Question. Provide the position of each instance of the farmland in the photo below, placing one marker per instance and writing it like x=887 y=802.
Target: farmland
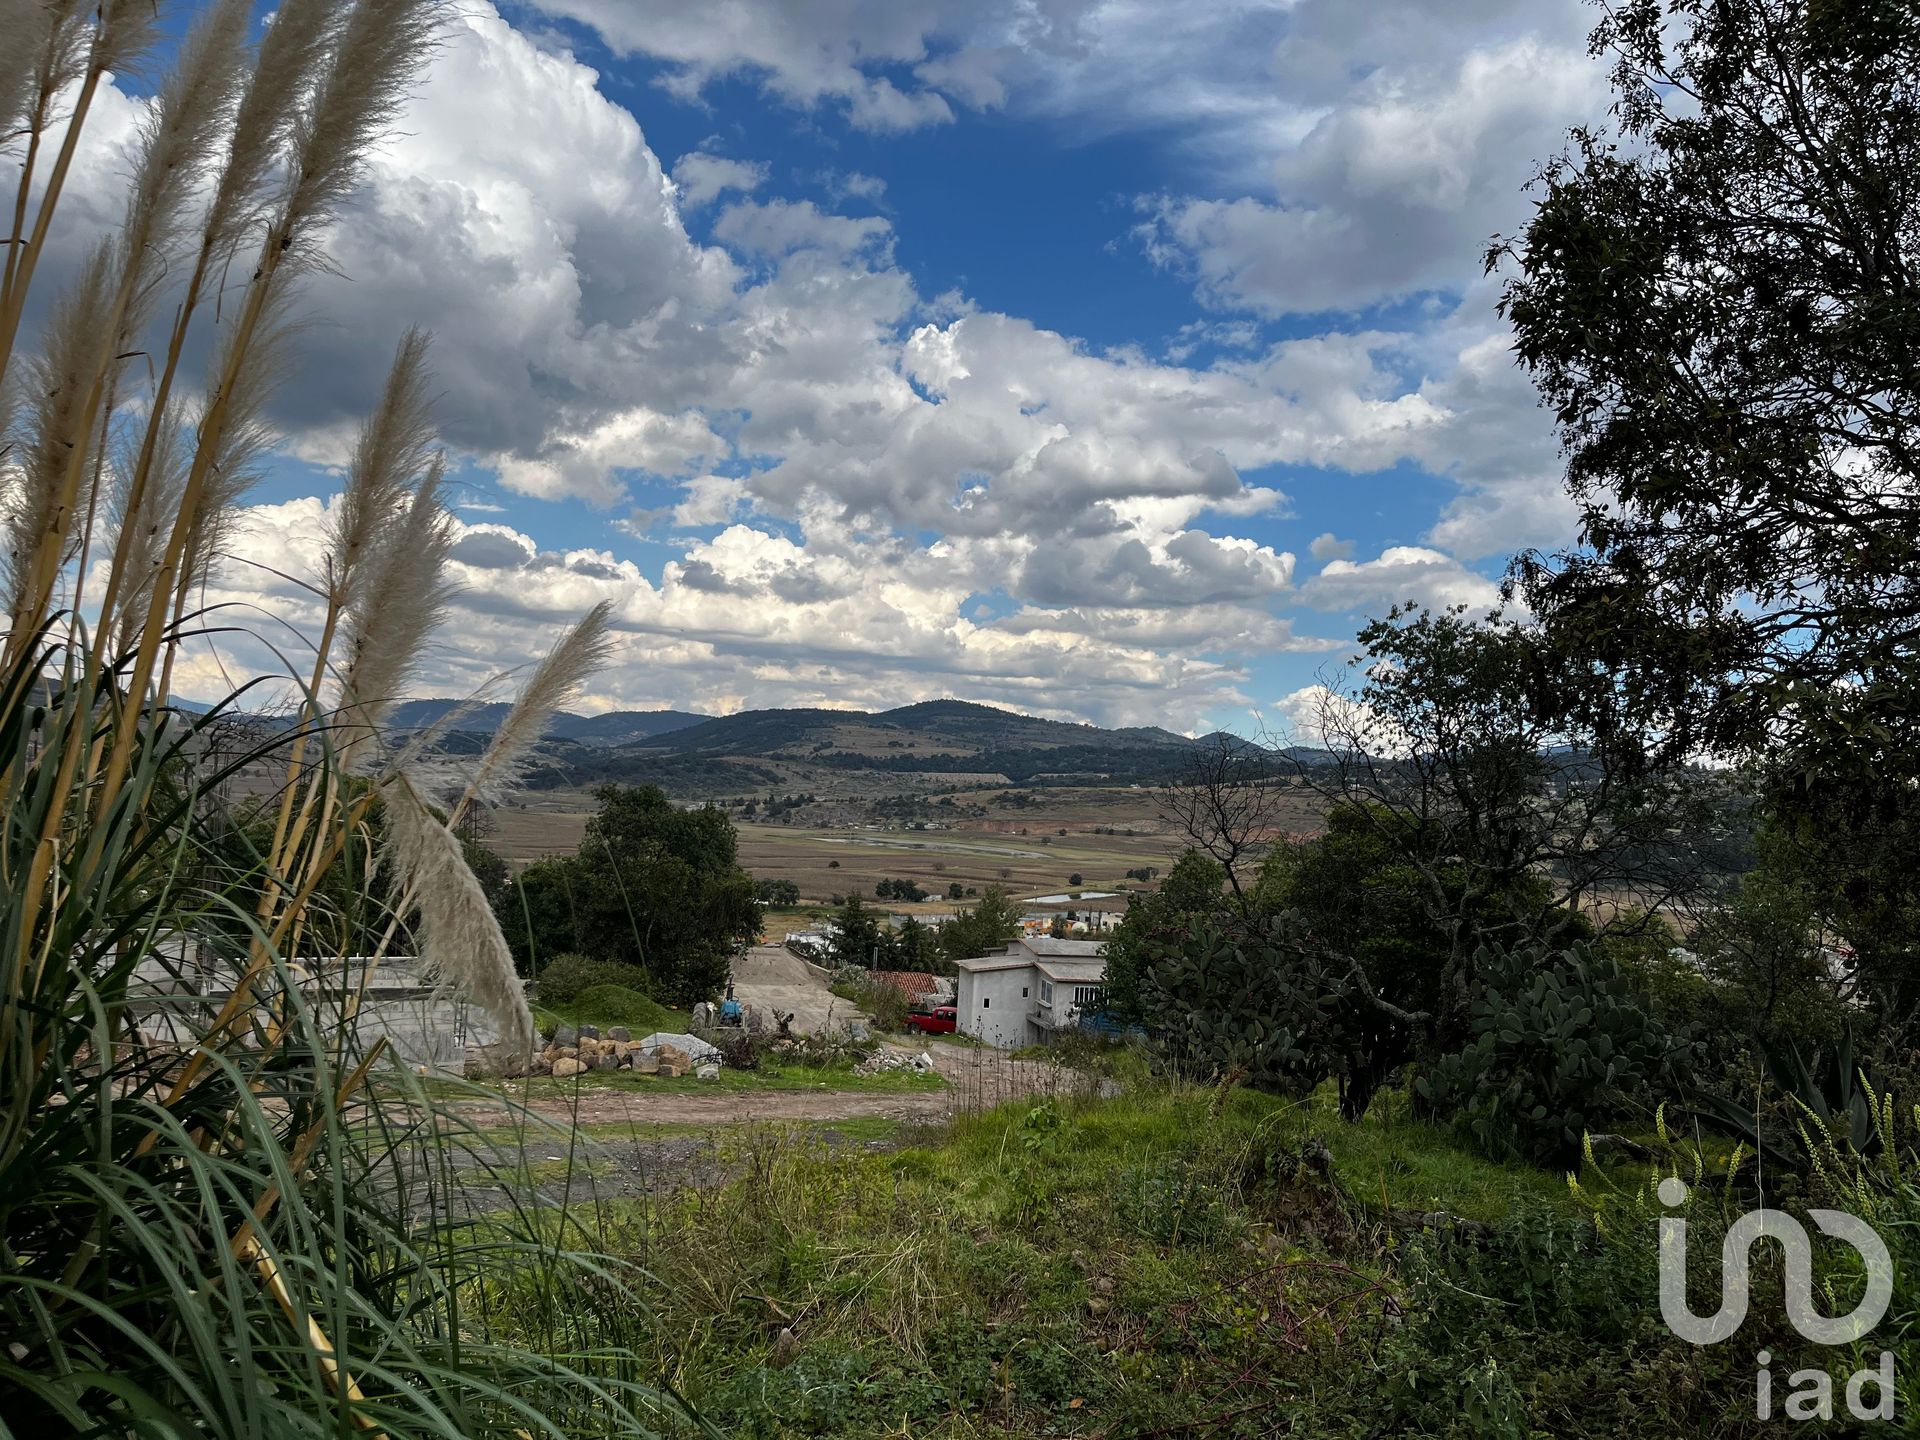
x=1031 y=841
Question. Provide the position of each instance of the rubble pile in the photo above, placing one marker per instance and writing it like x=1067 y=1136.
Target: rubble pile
x=882 y=1061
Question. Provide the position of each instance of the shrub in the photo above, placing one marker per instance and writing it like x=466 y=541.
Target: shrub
x=1563 y=1043
x=563 y=978
x=622 y=1005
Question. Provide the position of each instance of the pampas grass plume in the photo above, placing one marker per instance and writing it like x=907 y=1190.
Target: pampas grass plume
x=459 y=938
x=558 y=678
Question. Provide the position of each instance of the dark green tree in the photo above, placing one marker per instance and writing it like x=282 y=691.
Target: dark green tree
x=857 y=934
x=990 y=924
x=1192 y=888
x=1718 y=298
x=653 y=886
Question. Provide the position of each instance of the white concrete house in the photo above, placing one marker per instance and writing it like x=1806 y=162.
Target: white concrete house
x=1021 y=995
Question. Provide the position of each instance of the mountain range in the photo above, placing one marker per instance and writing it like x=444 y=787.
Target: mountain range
x=699 y=754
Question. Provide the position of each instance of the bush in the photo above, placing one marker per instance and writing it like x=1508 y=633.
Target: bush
x=622 y=1005
x=563 y=978
x=1563 y=1043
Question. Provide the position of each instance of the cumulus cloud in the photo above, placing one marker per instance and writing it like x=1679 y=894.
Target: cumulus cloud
x=872 y=458
x=1401 y=573
x=702 y=178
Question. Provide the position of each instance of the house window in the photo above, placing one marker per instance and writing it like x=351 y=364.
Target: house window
x=986 y=1001
x=1023 y=992
x=1046 y=992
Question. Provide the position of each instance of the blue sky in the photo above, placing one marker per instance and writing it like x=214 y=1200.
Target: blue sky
x=1098 y=358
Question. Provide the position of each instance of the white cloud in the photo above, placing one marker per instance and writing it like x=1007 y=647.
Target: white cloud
x=702 y=178
x=1401 y=573
x=1329 y=546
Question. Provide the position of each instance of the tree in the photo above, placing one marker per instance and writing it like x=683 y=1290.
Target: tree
x=985 y=928
x=653 y=886
x=856 y=935
x=955 y=891
x=1226 y=803
x=1718 y=301
x=1516 y=786
x=776 y=892
x=1151 y=923
x=1074 y=881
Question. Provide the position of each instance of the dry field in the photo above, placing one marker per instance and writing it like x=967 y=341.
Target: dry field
x=1020 y=846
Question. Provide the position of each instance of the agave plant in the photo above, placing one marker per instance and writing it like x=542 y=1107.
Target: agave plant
x=225 y=1213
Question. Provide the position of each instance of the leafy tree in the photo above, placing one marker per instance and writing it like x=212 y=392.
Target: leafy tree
x=1717 y=299
x=653 y=886
x=1074 y=881
x=990 y=924
x=955 y=891
x=776 y=892
x=1508 y=780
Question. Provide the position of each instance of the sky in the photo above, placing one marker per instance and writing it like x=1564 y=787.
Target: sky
x=1110 y=360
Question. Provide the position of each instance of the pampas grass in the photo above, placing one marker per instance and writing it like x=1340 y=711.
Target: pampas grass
x=458 y=937
x=556 y=680
x=200 y=1235
x=399 y=597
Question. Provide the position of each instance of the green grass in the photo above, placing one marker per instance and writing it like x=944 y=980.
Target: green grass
x=1057 y=1267
x=607 y=1004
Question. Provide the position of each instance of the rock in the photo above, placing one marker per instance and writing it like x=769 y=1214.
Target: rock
x=606 y=1060
x=857 y=1031
x=619 y=1033
x=923 y=1062
x=708 y=1071
x=644 y=1064
x=589 y=1032
x=674 y=1069
x=672 y=1054
x=567 y=1068
x=1097 y=1306
x=564 y=1052
x=541 y=1065
x=566 y=1035
x=786 y=1348
x=624 y=1060
x=691 y=1046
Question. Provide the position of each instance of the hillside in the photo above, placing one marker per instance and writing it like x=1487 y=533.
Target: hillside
x=851 y=751
x=616 y=727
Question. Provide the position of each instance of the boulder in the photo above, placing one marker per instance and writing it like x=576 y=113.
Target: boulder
x=541 y=1066
x=691 y=1046
x=567 y=1068
x=644 y=1064
x=708 y=1071
x=619 y=1032
x=589 y=1032
x=566 y=1035
x=857 y=1031
x=606 y=1060
x=564 y=1052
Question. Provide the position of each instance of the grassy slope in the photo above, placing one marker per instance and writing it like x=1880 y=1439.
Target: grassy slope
x=1162 y=1263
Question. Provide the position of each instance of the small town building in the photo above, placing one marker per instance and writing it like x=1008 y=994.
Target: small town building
x=1034 y=988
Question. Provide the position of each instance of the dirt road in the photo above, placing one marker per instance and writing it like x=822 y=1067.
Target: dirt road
x=977 y=1079
x=775 y=981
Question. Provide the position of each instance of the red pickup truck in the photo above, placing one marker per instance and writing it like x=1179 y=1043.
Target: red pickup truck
x=937 y=1020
